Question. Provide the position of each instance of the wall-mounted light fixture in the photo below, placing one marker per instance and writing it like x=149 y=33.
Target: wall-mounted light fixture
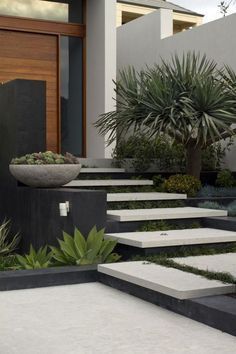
x=64 y=208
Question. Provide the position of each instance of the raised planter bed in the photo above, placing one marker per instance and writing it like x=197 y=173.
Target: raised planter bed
x=28 y=279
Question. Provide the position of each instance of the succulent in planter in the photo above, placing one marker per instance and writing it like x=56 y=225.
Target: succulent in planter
x=45 y=169
x=45 y=158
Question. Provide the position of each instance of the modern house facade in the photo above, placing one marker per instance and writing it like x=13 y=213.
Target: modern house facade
x=70 y=44
x=76 y=47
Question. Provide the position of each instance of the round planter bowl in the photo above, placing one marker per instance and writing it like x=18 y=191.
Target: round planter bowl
x=45 y=176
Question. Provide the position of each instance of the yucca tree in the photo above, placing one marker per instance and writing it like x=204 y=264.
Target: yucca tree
x=188 y=99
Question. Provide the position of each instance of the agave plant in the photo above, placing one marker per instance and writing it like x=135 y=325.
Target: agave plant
x=186 y=99
x=8 y=243
x=77 y=250
x=35 y=259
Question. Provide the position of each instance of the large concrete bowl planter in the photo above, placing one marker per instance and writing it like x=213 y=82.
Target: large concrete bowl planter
x=45 y=176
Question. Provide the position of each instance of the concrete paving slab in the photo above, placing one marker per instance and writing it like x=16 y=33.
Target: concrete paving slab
x=168 y=281
x=108 y=183
x=102 y=170
x=173 y=238
x=162 y=214
x=225 y=263
x=96 y=319
x=128 y=197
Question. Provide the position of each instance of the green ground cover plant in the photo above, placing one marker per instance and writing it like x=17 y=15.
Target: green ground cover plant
x=145 y=204
x=163 y=225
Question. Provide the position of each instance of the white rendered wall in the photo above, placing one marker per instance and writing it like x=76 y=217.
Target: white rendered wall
x=138 y=40
x=101 y=70
x=216 y=39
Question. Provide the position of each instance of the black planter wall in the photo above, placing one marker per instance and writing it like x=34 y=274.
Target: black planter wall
x=35 y=212
x=22 y=122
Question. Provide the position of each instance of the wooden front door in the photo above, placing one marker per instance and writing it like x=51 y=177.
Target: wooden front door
x=34 y=56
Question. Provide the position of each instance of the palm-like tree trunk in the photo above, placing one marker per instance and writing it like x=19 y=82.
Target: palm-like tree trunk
x=194 y=159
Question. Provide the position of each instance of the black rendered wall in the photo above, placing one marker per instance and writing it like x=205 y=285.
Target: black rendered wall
x=22 y=122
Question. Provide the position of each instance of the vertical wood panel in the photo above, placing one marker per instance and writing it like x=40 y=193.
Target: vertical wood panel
x=35 y=57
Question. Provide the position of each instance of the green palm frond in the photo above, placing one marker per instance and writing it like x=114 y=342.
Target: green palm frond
x=187 y=98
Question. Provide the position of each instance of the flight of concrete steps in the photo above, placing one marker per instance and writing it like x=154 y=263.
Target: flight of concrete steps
x=153 y=239
x=168 y=281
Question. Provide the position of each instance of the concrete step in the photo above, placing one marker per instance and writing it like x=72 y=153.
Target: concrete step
x=128 y=197
x=168 y=281
x=162 y=214
x=225 y=263
x=174 y=238
x=102 y=170
x=109 y=183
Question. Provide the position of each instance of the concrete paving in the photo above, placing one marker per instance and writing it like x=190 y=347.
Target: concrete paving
x=218 y=263
x=95 y=319
x=162 y=214
x=109 y=182
x=102 y=170
x=173 y=237
x=128 y=197
x=168 y=281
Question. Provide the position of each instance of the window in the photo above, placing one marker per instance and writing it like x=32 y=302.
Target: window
x=59 y=10
x=71 y=61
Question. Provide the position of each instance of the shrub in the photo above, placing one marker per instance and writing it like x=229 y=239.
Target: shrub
x=232 y=209
x=183 y=184
x=210 y=191
x=35 y=259
x=8 y=243
x=213 y=155
x=211 y=205
x=169 y=156
x=8 y=263
x=79 y=251
x=45 y=158
x=158 y=181
x=225 y=178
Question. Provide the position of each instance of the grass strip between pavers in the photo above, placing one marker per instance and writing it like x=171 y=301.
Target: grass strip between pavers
x=166 y=261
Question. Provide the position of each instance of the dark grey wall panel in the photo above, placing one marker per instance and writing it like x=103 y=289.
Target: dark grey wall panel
x=22 y=122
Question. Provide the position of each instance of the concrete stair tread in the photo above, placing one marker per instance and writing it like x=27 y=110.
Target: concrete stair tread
x=123 y=197
x=162 y=214
x=225 y=263
x=102 y=170
x=168 y=281
x=174 y=238
x=108 y=183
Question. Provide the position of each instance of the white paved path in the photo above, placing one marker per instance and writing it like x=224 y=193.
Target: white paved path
x=95 y=319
